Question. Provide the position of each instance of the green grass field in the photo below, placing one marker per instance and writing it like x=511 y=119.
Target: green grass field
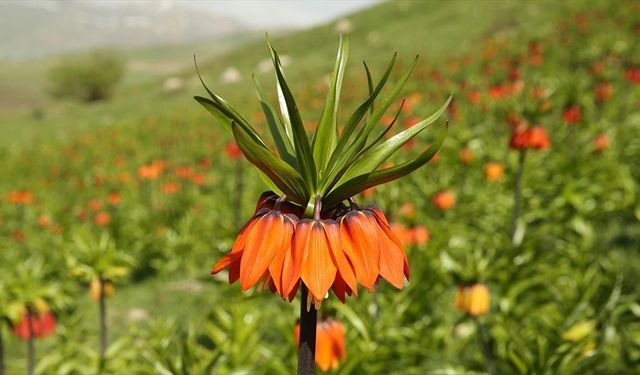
x=576 y=265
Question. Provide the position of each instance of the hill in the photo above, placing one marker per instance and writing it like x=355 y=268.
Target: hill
x=41 y=28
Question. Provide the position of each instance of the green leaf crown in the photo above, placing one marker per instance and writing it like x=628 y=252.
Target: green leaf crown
x=335 y=165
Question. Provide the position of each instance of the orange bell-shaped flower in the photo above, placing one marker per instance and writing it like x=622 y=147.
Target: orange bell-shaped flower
x=473 y=299
x=41 y=325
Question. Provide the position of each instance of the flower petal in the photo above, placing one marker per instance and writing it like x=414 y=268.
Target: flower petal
x=339 y=258
x=276 y=265
x=263 y=242
x=384 y=225
x=318 y=270
x=359 y=240
x=225 y=261
x=295 y=256
x=391 y=260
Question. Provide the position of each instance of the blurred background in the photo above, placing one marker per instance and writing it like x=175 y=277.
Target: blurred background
x=119 y=191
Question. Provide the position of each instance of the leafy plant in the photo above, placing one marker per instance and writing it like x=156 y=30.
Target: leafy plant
x=90 y=77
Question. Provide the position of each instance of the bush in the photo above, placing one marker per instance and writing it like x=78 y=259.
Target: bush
x=90 y=77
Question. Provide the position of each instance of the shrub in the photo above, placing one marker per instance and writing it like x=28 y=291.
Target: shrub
x=89 y=77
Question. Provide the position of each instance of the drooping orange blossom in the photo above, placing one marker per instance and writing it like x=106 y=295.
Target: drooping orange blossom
x=348 y=247
x=310 y=233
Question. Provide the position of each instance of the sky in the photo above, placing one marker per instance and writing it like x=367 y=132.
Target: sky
x=262 y=13
x=284 y=13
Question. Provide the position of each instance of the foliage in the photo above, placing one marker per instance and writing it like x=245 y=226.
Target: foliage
x=564 y=300
x=90 y=77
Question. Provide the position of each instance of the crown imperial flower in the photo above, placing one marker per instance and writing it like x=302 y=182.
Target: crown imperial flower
x=303 y=232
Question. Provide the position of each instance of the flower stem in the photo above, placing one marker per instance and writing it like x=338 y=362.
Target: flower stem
x=1 y=350
x=317 y=207
x=517 y=192
x=103 y=324
x=308 y=321
x=484 y=347
x=31 y=350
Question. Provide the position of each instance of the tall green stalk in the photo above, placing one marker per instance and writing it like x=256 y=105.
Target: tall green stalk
x=31 y=349
x=1 y=349
x=308 y=322
x=103 y=323
x=485 y=347
x=517 y=197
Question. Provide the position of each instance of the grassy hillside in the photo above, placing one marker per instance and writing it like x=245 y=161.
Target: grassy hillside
x=430 y=29
x=576 y=264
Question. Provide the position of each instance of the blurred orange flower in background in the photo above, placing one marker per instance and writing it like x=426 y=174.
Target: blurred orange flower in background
x=600 y=142
x=114 y=198
x=633 y=75
x=19 y=197
x=152 y=171
x=170 y=187
x=474 y=97
x=43 y=221
x=107 y=289
x=603 y=91
x=198 y=179
x=18 y=235
x=444 y=200
x=95 y=204
x=473 y=299
x=466 y=156
x=44 y=324
x=572 y=114
x=535 y=138
x=330 y=344
x=493 y=171
x=419 y=235
x=205 y=163
x=370 y=192
x=184 y=172
x=408 y=210
x=102 y=218
x=232 y=150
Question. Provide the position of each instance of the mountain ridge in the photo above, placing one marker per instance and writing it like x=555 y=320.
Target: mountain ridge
x=33 y=29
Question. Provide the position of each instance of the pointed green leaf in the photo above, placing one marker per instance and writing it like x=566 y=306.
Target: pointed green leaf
x=326 y=135
x=355 y=153
x=369 y=180
x=345 y=157
x=382 y=133
x=377 y=155
x=355 y=118
x=361 y=137
x=225 y=108
x=277 y=129
x=369 y=86
x=287 y=179
x=304 y=156
x=221 y=115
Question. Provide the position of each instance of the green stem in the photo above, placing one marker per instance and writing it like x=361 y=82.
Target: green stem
x=317 y=208
x=517 y=193
x=31 y=350
x=1 y=349
x=103 y=323
x=463 y=180
x=308 y=322
x=485 y=348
